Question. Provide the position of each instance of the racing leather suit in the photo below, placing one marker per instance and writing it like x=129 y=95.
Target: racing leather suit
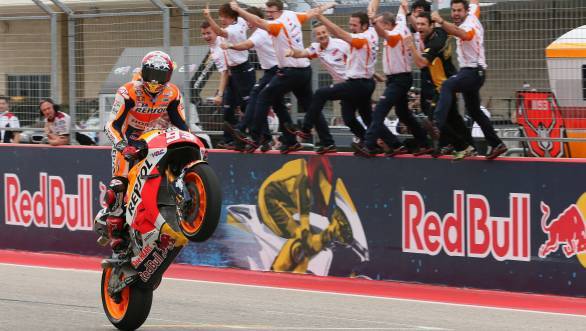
x=134 y=112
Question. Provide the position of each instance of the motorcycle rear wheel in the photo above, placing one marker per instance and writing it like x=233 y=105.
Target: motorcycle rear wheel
x=202 y=220
x=133 y=307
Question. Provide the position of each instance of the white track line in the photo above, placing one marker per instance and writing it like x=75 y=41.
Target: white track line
x=328 y=293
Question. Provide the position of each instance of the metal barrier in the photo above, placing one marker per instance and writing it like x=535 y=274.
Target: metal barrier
x=79 y=52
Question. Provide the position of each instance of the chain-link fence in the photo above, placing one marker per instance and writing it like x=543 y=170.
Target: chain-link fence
x=79 y=52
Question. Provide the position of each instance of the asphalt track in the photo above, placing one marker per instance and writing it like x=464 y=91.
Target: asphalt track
x=60 y=292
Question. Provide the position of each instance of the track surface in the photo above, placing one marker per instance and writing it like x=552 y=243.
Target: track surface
x=41 y=292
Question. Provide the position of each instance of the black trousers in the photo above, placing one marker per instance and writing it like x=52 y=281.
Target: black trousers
x=279 y=106
x=296 y=80
x=395 y=95
x=468 y=81
x=355 y=96
x=237 y=94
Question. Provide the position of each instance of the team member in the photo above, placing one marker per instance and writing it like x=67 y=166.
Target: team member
x=427 y=88
x=218 y=56
x=397 y=66
x=241 y=75
x=333 y=54
x=261 y=42
x=57 y=123
x=8 y=120
x=293 y=74
x=470 y=40
x=356 y=91
x=436 y=62
x=138 y=108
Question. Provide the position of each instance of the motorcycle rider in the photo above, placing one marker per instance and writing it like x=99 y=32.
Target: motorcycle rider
x=146 y=103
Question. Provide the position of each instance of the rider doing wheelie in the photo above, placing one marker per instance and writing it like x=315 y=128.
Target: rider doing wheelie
x=148 y=103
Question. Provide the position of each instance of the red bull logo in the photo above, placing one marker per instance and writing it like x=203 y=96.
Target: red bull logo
x=50 y=206
x=567 y=231
x=470 y=230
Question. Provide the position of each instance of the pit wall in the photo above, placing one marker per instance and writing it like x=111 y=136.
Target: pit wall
x=513 y=224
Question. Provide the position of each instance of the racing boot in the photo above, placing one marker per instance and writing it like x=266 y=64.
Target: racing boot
x=115 y=226
x=114 y=201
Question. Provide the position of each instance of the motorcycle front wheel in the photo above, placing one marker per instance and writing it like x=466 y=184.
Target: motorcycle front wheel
x=131 y=310
x=199 y=222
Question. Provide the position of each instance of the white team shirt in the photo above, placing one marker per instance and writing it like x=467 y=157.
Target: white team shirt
x=236 y=34
x=286 y=33
x=362 y=59
x=219 y=55
x=471 y=52
x=60 y=124
x=333 y=57
x=396 y=55
x=263 y=46
x=7 y=120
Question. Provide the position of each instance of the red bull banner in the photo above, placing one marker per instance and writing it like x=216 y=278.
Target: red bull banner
x=511 y=224
x=540 y=117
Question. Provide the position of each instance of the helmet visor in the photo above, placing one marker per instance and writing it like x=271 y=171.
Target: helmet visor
x=151 y=75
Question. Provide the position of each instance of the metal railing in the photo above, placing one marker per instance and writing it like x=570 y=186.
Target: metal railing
x=79 y=52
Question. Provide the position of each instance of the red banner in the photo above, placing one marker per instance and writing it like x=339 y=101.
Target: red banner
x=540 y=117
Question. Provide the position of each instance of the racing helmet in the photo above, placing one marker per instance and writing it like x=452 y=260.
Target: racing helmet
x=156 y=71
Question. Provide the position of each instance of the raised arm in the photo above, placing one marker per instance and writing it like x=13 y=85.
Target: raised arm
x=419 y=60
x=313 y=12
x=334 y=29
x=253 y=19
x=217 y=29
x=372 y=8
x=452 y=28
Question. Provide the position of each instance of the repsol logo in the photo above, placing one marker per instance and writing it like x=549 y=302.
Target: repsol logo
x=150 y=110
x=136 y=196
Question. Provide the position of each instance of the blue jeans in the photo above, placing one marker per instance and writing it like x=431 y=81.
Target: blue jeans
x=468 y=81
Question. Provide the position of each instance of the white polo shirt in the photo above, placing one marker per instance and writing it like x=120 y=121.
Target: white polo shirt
x=219 y=55
x=60 y=124
x=333 y=57
x=236 y=34
x=471 y=50
x=362 y=60
x=396 y=55
x=8 y=120
x=263 y=45
x=286 y=33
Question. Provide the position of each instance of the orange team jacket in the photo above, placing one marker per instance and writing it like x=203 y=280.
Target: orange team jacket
x=135 y=111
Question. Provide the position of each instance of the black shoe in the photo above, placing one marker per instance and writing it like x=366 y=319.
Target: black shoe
x=226 y=145
x=496 y=151
x=364 y=151
x=286 y=149
x=292 y=129
x=423 y=150
x=326 y=149
x=266 y=146
x=397 y=151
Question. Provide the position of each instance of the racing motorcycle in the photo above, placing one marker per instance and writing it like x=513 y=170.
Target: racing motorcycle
x=175 y=195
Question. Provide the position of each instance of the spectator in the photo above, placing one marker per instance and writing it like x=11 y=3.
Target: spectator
x=471 y=56
x=332 y=53
x=241 y=75
x=8 y=120
x=294 y=75
x=397 y=67
x=261 y=42
x=218 y=56
x=57 y=123
x=356 y=91
x=435 y=62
